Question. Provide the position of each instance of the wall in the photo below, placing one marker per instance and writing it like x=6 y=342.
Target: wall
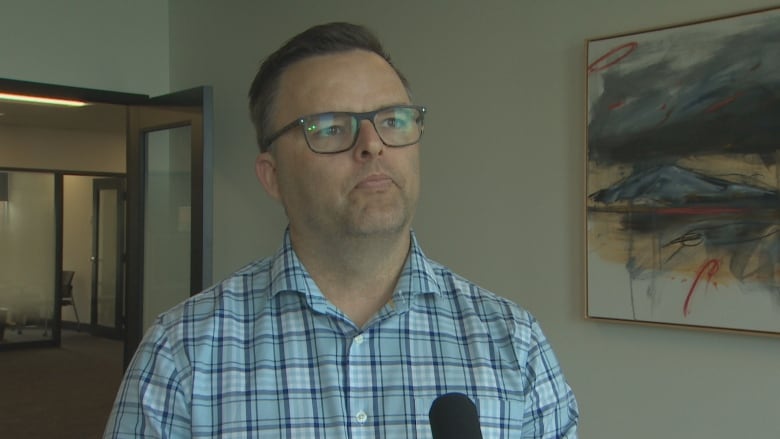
x=109 y=45
x=502 y=199
x=72 y=150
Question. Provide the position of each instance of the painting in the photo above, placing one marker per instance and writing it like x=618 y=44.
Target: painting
x=682 y=177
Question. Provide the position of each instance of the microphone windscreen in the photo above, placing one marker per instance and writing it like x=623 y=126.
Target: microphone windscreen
x=454 y=415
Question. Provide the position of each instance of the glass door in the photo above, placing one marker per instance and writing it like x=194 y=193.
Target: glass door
x=108 y=232
x=169 y=195
x=167 y=264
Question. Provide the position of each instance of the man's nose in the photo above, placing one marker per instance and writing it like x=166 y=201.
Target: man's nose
x=368 y=142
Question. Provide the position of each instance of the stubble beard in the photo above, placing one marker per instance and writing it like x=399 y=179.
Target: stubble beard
x=375 y=218
x=362 y=217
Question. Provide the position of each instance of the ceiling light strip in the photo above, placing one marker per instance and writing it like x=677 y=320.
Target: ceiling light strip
x=41 y=100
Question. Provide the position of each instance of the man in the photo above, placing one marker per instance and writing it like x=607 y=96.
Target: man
x=349 y=330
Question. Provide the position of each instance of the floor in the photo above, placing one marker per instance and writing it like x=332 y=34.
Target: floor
x=64 y=392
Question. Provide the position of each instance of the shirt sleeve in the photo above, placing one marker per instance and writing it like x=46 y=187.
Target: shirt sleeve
x=551 y=410
x=153 y=399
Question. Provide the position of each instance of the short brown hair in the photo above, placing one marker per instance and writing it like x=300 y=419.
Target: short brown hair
x=318 y=40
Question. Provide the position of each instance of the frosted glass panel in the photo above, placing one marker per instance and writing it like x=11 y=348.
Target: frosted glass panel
x=27 y=240
x=167 y=221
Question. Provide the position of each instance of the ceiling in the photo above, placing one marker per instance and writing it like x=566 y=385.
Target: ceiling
x=93 y=117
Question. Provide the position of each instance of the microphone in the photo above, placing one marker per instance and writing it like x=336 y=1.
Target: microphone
x=454 y=415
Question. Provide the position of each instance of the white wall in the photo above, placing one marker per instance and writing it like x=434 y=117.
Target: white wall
x=502 y=198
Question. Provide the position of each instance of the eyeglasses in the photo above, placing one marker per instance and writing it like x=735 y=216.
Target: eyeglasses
x=334 y=132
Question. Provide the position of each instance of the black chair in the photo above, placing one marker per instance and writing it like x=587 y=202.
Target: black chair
x=67 y=294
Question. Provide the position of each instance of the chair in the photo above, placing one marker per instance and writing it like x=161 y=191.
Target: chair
x=67 y=294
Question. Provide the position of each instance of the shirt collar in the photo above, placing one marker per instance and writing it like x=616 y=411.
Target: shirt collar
x=288 y=274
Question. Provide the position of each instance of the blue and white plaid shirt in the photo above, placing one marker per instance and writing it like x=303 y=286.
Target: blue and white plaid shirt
x=265 y=354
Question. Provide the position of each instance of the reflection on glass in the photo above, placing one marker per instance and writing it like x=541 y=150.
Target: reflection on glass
x=27 y=240
x=167 y=221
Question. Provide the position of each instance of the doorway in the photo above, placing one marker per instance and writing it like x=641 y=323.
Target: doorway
x=93 y=254
x=140 y=141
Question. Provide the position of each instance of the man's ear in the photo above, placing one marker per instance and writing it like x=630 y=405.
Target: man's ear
x=265 y=169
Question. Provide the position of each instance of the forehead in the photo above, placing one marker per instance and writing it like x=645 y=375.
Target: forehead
x=356 y=80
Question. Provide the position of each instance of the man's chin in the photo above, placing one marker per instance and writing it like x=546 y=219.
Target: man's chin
x=379 y=225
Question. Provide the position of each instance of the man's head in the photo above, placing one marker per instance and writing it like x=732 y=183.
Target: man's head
x=339 y=136
x=323 y=39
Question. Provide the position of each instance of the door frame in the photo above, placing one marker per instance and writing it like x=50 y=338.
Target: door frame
x=139 y=124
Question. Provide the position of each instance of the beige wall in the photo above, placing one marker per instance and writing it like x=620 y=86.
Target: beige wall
x=72 y=150
x=502 y=198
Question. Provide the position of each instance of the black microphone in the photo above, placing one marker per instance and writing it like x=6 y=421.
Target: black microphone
x=453 y=415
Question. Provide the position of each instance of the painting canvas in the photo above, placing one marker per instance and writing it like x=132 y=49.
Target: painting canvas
x=682 y=176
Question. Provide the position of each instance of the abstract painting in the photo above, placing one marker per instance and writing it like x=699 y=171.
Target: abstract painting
x=682 y=176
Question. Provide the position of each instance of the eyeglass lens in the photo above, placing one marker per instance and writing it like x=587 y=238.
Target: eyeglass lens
x=335 y=132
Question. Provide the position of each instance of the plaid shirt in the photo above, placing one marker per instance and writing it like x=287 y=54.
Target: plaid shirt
x=265 y=354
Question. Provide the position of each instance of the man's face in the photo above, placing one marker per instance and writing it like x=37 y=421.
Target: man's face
x=371 y=189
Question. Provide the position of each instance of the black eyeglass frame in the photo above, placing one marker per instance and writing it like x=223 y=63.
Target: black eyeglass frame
x=368 y=115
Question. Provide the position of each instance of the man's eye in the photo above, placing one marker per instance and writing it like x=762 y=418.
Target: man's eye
x=329 y=131
x=397 y=123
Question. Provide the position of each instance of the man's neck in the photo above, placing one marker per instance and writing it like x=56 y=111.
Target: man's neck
x=358 y=275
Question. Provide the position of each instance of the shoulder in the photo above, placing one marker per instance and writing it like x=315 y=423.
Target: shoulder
x=233 y=301
x=501 y=317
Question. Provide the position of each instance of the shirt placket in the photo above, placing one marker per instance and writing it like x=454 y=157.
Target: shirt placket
x=359 y=374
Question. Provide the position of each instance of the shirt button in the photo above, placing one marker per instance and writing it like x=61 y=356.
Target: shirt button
x=359 y=339
x=361 y=417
